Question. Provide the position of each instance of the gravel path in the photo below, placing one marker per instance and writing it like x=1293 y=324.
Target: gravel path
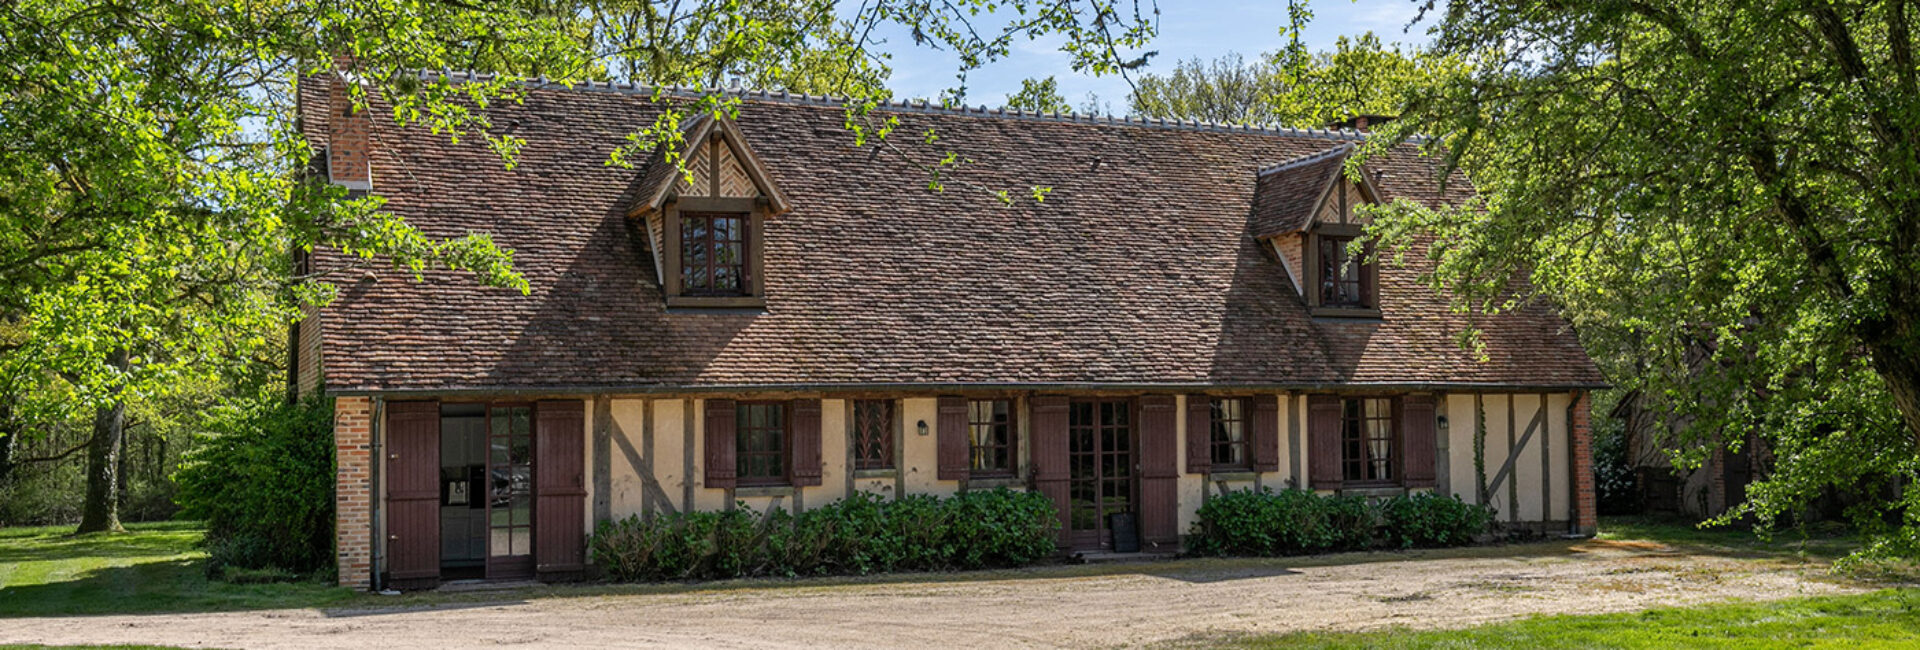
x=1100 y=606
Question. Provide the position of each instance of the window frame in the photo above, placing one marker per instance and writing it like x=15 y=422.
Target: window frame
x=1348 y=431
x=857 y=434
x=712 y=245
x=1009 y=443
x=753 y=262
x=783 y=454
x=1214 y=429
x=1369 y=272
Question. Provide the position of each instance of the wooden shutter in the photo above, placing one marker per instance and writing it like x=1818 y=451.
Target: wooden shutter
x=1159 y=470
x=413 y=494
x=1265 y=436
x=954 y=447
x=1050 y=453
x=1199 y=434
x=1417 y=432
x=559 y=487
x=721 y=472
x=1323 y=434
x=804 y=450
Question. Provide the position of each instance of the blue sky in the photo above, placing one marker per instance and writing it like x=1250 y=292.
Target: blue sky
x=1188 y=29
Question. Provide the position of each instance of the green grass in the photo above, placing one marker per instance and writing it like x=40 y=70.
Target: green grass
x=1881 y=619
x=154 y=567
x=1824 y=541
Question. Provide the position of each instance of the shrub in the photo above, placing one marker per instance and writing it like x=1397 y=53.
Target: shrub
x=1293 y=522
x=1428 y=519
x=263 y=481
x=858 y=534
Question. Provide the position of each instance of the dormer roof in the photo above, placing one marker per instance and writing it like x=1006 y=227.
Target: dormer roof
x=721 y=164
x=1286 y=196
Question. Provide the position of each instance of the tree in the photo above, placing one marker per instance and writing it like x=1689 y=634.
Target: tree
x=1721 y=197
x=1291 y=87
x=1039 y=96
x=153 y=179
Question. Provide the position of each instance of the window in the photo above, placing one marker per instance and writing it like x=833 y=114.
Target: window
x=1342 y=277
x=873 y=434
x=990 y=429
x=1229 y=432
x=760 y=443
x=713 y=254
x=1366 y=439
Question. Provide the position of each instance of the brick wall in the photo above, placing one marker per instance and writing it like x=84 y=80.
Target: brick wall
x=353 y=491
x=1588 y=521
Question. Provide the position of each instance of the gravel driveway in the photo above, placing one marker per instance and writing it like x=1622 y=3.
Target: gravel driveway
x=1065 y=606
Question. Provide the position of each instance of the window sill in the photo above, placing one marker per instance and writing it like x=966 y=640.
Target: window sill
x=718 y=302
x=1345 y=312
x=1232 y=475
x=764 y=491
x=876 y=473
x=1373 y=490
x=990 y=482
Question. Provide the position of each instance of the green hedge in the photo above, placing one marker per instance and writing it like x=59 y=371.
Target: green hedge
x=263 y=481
x=1294 y=522
x=859 y=534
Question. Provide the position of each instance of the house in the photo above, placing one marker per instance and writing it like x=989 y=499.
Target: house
x=804 y=318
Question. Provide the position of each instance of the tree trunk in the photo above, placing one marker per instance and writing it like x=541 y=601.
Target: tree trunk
x=121 y=465
x=101 y=511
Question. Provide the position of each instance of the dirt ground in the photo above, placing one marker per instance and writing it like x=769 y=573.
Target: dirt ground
x=1067 y=606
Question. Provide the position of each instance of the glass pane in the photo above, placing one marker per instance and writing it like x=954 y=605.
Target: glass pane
x=501 y=516
x=522 y=510
x=500 y=545
x=522 y=541
x=523 y=421
x=521 y=449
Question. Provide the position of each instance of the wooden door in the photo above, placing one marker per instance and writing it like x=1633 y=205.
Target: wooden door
x=510 y=493
x=560 y=488
x=413 y=495
x=1101 y=469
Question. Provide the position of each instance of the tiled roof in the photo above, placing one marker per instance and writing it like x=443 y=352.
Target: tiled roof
x=1285 y=194
x=1138 y=268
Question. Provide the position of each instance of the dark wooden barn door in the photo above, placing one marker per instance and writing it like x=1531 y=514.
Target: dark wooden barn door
x=413 y=495
x=1159 y=472
x=1101 y=478
x=560 y=475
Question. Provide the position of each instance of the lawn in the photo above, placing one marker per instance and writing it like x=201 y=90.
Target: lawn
x=155 y=567
x=1889 y=618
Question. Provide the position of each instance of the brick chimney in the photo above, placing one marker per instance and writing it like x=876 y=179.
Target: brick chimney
x=349 y=132
x=1360 y=123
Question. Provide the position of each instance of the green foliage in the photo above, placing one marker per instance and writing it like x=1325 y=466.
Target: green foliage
x=263 y=481
x=1719 y=197
x=1039 y=96
x=859 y=534
x=1292 y=87
x=1426 y=519
x=1294 y=522
x=154 y=567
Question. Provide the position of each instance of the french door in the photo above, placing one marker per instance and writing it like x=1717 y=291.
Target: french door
x=1100 y=481
x=509 y=492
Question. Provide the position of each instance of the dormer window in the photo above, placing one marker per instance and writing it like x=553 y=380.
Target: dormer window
x=1343 y=277
x=713 y=254
x=1305 y=210
x=706 y=223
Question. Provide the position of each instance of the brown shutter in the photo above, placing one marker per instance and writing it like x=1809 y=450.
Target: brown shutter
x=721 y=472
x=1323 y=430
x=1050 y=453
x=1265 y=437
x=1417 y=430
x=954 y=449
x=559 y=487
x=805 y=448
x=413 y=494
x=1369 y=280
x=1199 y=434
x=1159 y=470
